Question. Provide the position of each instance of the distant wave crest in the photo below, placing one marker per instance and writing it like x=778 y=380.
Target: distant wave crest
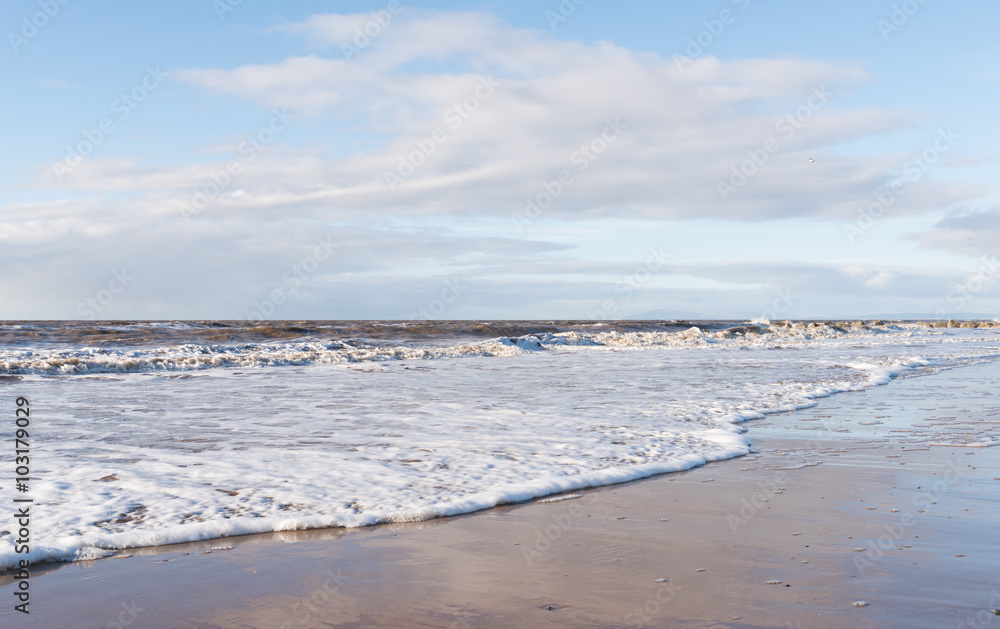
x=192 y=357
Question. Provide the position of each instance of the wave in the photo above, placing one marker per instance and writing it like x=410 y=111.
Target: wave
x=90 y=547
x=195 y=356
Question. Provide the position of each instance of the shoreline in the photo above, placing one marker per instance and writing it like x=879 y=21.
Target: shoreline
x=594 y=561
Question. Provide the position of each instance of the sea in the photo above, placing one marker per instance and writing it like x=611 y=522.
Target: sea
x=152 y=433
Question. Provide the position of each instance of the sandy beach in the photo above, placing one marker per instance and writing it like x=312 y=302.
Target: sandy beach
x=838 y=505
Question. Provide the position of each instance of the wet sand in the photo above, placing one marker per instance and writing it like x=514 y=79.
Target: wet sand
x=841 y=503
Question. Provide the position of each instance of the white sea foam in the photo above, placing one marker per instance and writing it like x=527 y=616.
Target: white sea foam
x=192 y=357
x=201 y=442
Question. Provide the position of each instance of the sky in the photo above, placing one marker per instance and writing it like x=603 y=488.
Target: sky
x=236 y=159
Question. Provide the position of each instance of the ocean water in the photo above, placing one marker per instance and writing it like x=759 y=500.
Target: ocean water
x=154 y=433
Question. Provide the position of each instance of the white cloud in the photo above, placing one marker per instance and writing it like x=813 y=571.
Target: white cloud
x=681 y=133
x=686 y=132
x=965 y=232
x=880 y=280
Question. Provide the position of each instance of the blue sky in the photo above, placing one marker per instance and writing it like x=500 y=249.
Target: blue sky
x=236 y=160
